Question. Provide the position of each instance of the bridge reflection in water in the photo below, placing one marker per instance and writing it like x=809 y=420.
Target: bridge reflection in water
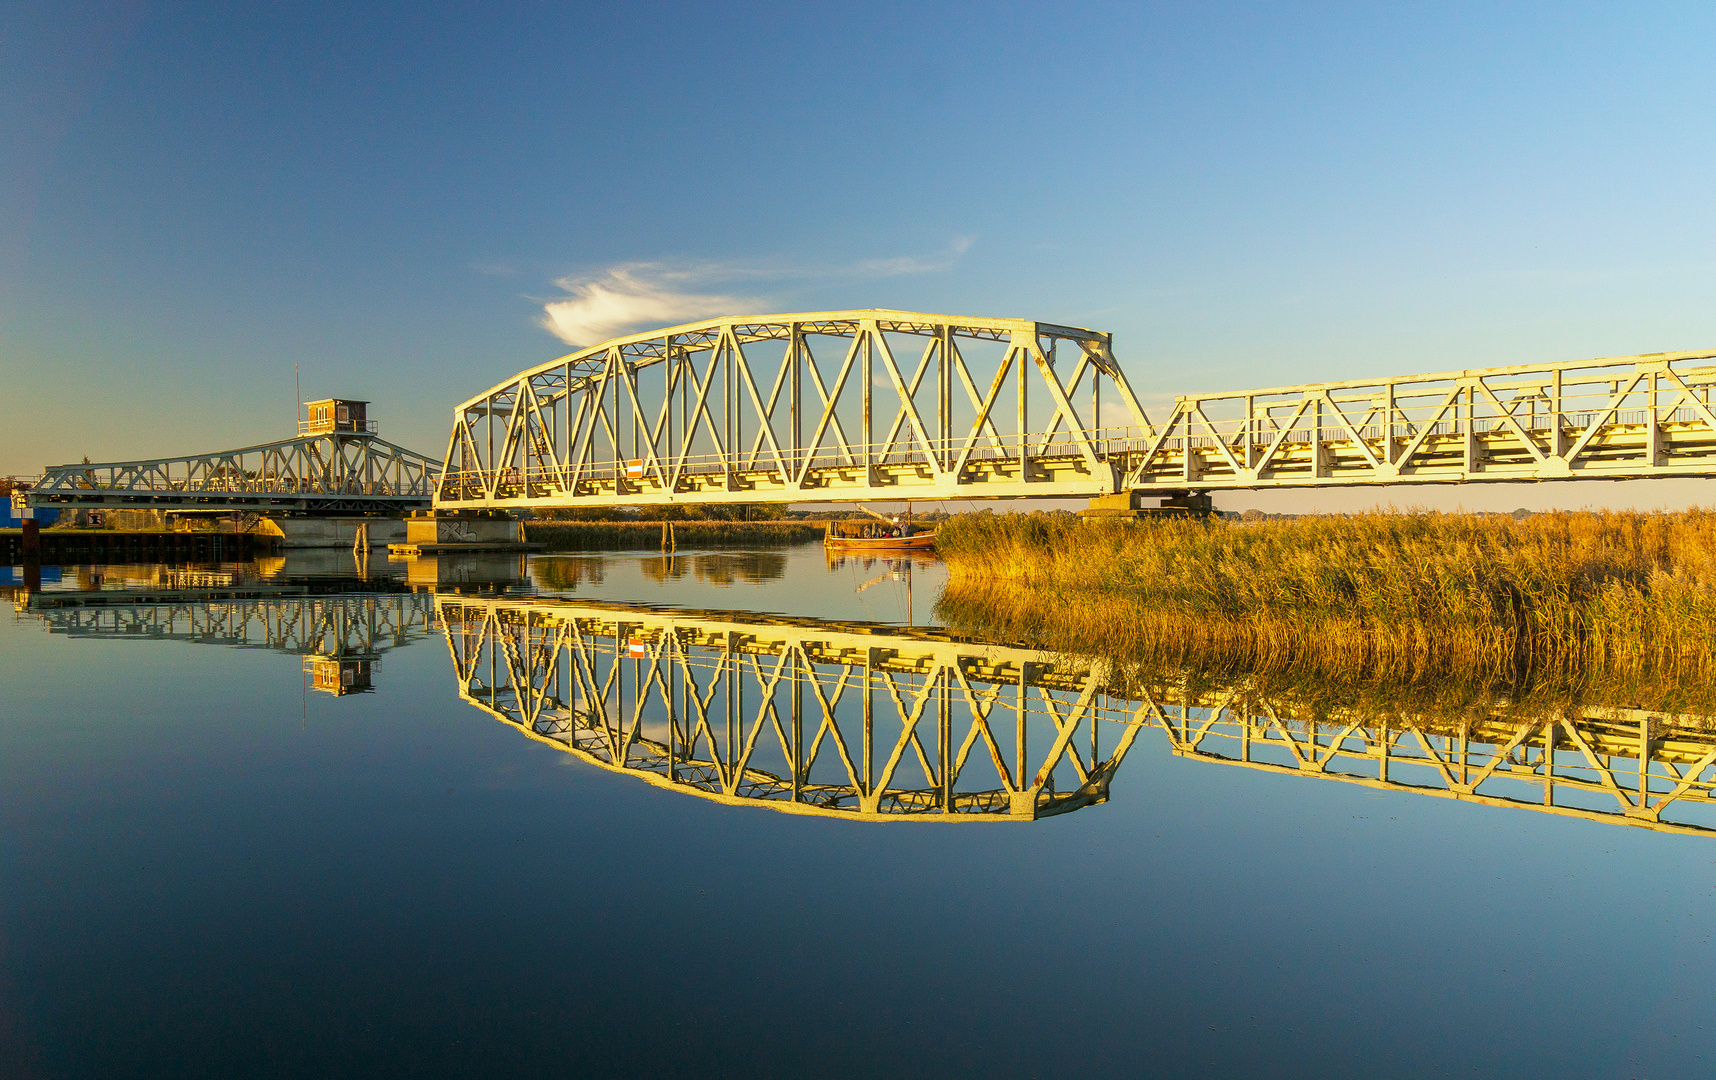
x=340 y=635
x=882 y=723
x=844 y=720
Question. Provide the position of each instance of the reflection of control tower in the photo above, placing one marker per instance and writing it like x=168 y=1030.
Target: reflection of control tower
x=339 y=635
x=341 y=675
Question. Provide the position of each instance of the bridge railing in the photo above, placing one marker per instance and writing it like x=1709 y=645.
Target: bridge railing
x=342 y=427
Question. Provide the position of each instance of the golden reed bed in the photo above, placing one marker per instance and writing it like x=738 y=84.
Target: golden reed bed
x=1449 y=603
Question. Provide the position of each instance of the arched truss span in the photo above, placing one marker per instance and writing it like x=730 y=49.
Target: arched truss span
x=781 y=408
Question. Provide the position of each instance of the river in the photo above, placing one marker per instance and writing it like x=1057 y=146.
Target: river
x=750 y=813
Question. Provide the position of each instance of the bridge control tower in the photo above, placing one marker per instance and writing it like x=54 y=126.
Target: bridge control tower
x=342 y=416
x=335 y=484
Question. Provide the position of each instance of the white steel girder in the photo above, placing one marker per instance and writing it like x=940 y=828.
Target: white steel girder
x=688 y=415
x=1628 y=417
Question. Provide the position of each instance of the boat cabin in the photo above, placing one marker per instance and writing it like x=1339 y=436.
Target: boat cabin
x=338 y=415
x=339 y=675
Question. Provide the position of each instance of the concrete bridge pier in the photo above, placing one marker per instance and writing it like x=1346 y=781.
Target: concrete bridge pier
x=332 y=532
x=1130 y=504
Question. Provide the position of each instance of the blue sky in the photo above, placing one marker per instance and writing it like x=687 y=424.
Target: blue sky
x=407 y=202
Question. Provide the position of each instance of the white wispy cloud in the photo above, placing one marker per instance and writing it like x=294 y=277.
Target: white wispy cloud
x=634 y=296
x=623 y=298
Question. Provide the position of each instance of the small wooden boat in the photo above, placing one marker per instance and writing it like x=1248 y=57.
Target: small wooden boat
x=916 y=541
x=891 y=534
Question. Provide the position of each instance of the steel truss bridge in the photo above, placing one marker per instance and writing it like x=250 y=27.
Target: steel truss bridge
x=329 y=473
x=1622 y=418
x=898 y=404
x=882 y=723
x=855 y=405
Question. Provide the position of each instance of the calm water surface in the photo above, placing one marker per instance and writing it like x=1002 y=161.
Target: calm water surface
x=288 y=819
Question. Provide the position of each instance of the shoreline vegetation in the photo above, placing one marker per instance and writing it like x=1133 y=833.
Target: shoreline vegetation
x=1442 y=609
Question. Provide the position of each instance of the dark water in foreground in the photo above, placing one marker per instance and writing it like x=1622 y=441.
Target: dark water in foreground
x=211 y=867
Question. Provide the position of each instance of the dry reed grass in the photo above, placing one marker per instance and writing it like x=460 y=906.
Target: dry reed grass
x=1459 y=604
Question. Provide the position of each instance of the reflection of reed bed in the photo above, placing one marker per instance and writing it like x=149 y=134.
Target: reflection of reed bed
x=1302 y=697
x=1460 y=607
x=646 y=535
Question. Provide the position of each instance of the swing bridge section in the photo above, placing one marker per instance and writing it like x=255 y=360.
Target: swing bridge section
x=327 y=473
x=856 y=405
x=877 y=723
x=829 y=406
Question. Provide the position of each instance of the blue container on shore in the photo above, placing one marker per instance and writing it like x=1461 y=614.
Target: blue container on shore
x=14 y=575
x=15 y=517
